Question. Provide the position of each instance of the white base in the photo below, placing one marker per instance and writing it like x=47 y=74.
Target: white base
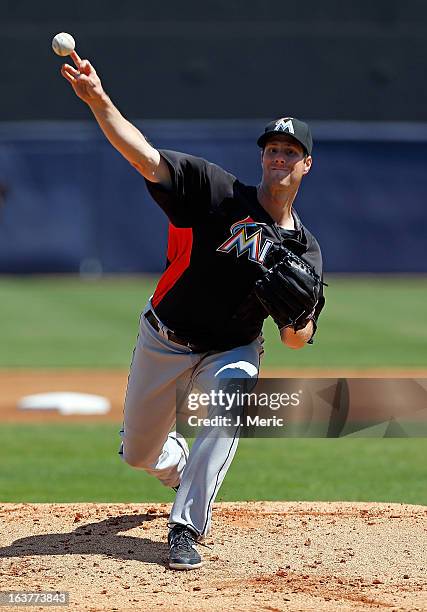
x=66 y=403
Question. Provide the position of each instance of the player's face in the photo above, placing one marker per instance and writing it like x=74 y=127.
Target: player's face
x=284 y=162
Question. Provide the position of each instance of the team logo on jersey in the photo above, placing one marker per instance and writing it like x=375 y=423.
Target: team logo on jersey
x=284 y=125
x=252 y=244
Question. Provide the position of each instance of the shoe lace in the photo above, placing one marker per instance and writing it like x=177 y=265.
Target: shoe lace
x=184 y=538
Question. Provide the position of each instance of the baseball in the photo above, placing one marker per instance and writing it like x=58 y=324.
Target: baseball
x=63 y=44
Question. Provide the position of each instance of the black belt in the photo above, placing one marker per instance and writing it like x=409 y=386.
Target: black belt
x=151 y=318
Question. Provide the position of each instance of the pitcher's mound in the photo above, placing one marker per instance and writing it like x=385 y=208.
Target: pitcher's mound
x=262 y=556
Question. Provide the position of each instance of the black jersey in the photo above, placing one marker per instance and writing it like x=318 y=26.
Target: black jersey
x=219 y=236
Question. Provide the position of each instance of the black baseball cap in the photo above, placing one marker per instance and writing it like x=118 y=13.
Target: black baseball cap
x=288 y=125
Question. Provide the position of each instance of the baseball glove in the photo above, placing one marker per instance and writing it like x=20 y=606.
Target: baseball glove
x=289 y=290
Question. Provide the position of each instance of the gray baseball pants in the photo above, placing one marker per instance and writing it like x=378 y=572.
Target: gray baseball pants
x=148 y=437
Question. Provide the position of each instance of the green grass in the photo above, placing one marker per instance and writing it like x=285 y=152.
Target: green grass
x=66 y=322
x=71 y=463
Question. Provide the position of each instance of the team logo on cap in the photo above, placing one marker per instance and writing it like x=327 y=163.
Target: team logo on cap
x=284 y=125
x=242 y=243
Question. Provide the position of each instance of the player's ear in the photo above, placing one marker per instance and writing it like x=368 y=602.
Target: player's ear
x=308 y=161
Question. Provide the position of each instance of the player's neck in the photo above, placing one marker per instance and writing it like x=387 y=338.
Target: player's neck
x=278 y=205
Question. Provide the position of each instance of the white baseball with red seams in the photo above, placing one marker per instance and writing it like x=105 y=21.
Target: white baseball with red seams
x=63 y=44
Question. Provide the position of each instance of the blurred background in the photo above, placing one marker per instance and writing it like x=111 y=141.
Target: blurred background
x=205 y=78
x=82 y=244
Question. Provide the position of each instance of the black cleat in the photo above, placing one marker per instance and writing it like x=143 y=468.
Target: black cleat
x=183 y=554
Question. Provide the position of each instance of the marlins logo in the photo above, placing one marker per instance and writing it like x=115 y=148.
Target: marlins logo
x=243 y=243
x=284 y=125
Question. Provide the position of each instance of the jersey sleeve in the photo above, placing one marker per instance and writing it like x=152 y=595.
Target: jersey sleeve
x=196 y=187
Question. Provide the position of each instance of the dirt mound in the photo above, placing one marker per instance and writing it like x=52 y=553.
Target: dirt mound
x=261 y=556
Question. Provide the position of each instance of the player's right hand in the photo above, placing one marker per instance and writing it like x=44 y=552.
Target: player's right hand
x=84 y=80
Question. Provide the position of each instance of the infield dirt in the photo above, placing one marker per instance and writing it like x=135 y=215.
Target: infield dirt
x=14 y=384
x=261 y=556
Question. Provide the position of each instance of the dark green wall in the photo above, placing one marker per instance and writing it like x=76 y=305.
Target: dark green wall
x=333 y=59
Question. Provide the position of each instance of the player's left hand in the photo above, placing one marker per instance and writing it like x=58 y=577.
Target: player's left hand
x=289 y=291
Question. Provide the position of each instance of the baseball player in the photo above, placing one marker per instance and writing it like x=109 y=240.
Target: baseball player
x=203 y=324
